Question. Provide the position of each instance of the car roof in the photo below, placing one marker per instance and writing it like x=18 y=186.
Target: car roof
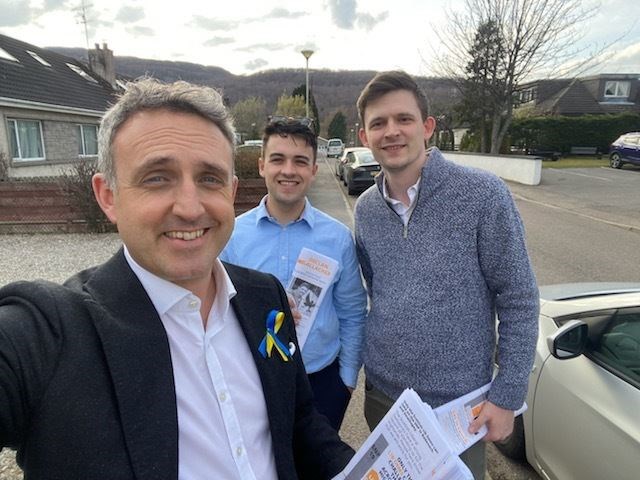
x=355 y=149
x=572 y=298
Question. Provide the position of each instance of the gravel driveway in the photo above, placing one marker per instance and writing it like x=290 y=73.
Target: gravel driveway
x=50 y=257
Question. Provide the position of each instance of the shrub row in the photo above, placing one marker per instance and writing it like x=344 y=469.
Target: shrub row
x=561 y=133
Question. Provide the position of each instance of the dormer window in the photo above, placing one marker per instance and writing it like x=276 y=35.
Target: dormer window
x=616 y=91
x=81 y=72
x=38 y=58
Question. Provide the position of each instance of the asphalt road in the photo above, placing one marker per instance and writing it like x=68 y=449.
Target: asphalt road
x=581 y=225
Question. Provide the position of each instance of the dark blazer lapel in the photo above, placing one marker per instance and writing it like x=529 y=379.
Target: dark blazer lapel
x=137 y=354
x=253 y=302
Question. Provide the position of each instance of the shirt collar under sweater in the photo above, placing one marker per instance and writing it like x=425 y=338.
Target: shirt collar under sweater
x=404 y=211
x=434 y=171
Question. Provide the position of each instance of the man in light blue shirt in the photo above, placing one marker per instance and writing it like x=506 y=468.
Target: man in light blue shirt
x=270 y=238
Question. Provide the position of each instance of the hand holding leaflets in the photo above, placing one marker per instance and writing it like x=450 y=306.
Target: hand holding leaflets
x=414 y=441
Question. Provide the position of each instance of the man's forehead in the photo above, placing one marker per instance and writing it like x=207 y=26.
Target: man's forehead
x=396 y=102
x=280 y=143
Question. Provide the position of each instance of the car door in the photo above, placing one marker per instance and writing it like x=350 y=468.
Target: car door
x=348 y=165
x=630 y=149
x=586 y=412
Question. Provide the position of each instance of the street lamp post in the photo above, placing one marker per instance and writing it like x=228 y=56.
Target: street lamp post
x=307 y=54
x=355 y=140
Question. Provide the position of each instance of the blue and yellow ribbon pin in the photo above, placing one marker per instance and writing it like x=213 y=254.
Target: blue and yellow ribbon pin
x=275 y=319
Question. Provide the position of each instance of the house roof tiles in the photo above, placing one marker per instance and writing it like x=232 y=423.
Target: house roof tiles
x=29 y=80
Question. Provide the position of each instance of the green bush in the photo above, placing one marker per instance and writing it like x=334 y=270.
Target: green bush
x=561 y=133
x=246 y=161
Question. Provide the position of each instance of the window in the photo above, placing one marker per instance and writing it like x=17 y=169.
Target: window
x=39 y=58
x=527 y=95
x=87 y=140
x=616 y=344
x=26 y=139
x=616 y=91
x=81 y=72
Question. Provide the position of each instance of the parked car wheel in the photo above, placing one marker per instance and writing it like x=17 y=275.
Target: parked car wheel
x=513 y=446
x=615 y=161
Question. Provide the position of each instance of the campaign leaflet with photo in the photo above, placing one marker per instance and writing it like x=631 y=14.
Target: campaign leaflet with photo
x=414 y=441
x=312 y=274
x=407 y=444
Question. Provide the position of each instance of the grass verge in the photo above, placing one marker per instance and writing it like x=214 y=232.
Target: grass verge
x=581 y=161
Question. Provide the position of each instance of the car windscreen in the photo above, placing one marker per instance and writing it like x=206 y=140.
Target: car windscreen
x=366 y=158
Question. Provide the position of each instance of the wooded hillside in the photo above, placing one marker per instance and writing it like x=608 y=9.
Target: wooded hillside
x=332 y=90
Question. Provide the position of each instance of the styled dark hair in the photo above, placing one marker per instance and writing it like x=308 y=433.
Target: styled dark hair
x=386 y=82
x=289 y=126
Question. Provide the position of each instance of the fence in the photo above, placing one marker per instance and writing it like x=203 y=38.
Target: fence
x=28 y=206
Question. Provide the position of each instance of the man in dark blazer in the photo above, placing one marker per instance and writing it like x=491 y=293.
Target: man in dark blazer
x=99 y=381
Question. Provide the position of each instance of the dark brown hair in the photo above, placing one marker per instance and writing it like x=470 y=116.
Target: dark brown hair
x=290 y=127
x=386 y=82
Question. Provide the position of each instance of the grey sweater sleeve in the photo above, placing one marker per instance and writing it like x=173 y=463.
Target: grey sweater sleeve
x=507 y=270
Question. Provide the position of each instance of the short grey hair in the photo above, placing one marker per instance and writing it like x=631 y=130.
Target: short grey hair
x=150 y=94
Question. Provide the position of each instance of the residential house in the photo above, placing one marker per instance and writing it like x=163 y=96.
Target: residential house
x=50 y=106
x=593 y=95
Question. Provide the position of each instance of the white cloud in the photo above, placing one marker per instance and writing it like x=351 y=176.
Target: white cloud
x=14 y=12
x=129 y=14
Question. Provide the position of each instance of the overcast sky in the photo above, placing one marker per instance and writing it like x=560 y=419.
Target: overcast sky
x=247 y=36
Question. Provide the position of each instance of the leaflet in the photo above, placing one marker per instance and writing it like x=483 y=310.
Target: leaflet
x=408 y=444
x=456 y=416
x=415 y=442
x=311 y=277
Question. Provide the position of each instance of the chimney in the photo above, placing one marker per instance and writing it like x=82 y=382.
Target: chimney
x=101 y=63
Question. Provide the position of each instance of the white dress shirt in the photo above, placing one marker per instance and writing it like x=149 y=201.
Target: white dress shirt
x=404 y=211
x=223 y=429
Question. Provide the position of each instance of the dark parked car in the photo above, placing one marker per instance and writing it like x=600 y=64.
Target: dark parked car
x=359 y=170
x=626 y=149
x=340 y=161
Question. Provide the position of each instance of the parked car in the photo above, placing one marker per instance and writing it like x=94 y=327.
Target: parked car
x=359 y=170
x=626 y=149
x=338 y=165
x=583 y=420
x=335 y=147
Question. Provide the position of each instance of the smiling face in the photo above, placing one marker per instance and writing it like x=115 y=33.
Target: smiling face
x=173 y=201
x=395 y=132
x=288 y=168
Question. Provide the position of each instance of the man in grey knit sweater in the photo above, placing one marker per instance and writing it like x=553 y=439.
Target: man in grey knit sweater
x=443 y=253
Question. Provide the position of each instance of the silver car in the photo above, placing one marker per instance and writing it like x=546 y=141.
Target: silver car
x=583 y=420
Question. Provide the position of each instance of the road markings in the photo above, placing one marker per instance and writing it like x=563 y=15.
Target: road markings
x=633 y=228
x=558 y=170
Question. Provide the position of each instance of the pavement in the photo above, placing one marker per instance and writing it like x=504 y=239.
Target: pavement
x=326 y=195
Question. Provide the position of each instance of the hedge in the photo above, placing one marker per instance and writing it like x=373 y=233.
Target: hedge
x=560 y=133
